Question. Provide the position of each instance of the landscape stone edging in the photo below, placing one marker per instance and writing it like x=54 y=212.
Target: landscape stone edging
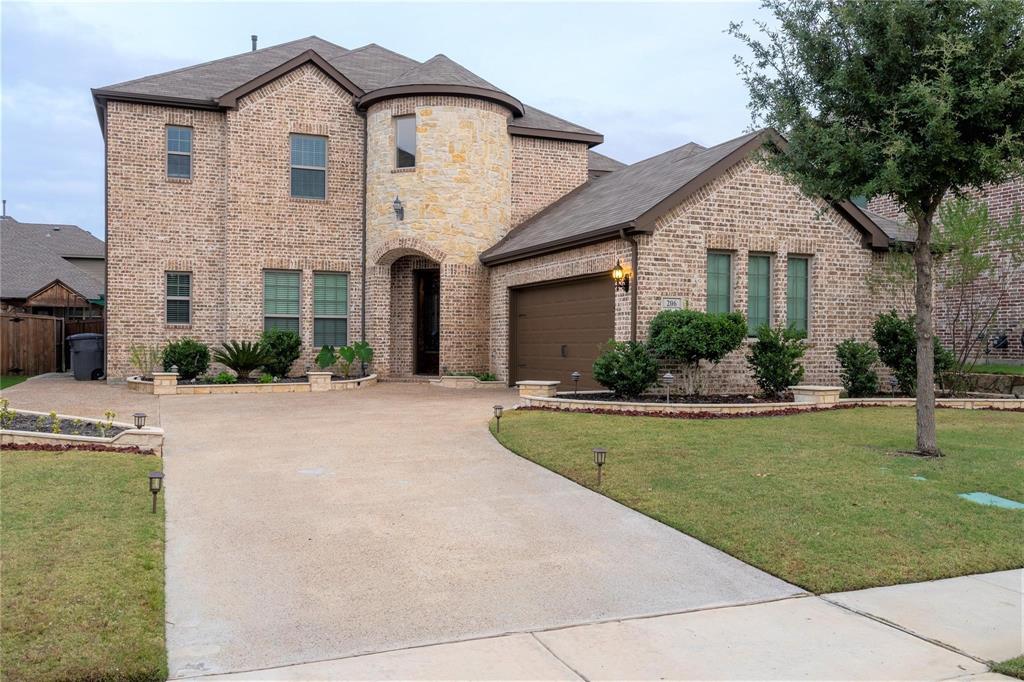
x=315 y=384
x=753 y=409
x=454 y=381
x=147 y=438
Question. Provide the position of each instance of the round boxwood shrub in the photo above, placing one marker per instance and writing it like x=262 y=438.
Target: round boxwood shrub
x=191 y=357
x=689 y=336
x=283 y=347
x=896 y=339
x=856 y=360
x=775 y=359
x=626 y=369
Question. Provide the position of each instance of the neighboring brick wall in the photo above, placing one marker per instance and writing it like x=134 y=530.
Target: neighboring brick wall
x=234 y=218
x=1002 y=201
x=746 y=210
x=543 y=171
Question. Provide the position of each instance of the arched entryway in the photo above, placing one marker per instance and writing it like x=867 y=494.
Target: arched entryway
x=415 y=316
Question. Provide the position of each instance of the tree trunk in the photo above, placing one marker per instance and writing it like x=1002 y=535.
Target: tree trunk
x=927 y=443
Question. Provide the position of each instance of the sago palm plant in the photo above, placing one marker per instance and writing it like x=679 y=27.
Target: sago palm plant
x=241 y=356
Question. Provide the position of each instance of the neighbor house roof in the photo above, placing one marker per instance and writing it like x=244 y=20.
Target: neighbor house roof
x=632 y=198
x=601 y=163
x=32 y=256
x=370 y=72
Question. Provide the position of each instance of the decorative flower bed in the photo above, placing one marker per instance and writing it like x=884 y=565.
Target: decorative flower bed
x=166 y=383
x=27 y=430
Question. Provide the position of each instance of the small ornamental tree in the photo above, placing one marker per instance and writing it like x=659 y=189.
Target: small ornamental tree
x=775 y=359
x=626 y=369
x=686 y=337
x=911 y=100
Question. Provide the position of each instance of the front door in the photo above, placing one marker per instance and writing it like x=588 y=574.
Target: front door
x=428 y=321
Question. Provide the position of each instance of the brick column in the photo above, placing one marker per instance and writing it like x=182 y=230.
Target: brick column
x=464 y=318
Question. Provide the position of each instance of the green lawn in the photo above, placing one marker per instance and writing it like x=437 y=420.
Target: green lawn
x=1013 y=667
x=996 y=368
x=820 y=500
x=6 y=381
x=83 y=570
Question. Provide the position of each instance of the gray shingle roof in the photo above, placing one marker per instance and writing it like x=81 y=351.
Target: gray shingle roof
x=31 y=256
x=370 y=67
x=617 y=199
x=900 y=231
x=602 y=163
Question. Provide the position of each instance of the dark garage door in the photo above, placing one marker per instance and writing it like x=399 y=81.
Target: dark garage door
x=560 y=328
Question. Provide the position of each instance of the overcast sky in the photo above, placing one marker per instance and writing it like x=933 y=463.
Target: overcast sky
x=648 y=76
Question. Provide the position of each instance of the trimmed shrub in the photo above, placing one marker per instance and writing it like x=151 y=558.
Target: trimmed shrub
x=856 y=360
x=774 y=359
x=686 y=337
x=626 y=369
x=897 y=348
x=241 y=356
x=191 y=357
x=283 y=347
x=224 y=378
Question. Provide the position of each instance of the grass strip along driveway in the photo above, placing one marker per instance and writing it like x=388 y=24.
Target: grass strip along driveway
x=83 y=571
x=821 y=500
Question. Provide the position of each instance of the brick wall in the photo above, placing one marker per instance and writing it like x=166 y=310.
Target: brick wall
x=747 y=210
x=234 y=218
x=1007 y=281
x=544 y=170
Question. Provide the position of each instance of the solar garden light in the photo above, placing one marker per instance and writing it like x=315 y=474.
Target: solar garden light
x=599 y=455
x=668 y=380
x=575 y=384
x=156 y=480
x=893 y=383
x=140 y=419
x=174 y=369
x=498 y=409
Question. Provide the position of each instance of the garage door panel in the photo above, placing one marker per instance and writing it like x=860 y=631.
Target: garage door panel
x=577 y=316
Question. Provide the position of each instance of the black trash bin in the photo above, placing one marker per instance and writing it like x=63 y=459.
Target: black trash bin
x=86 y=356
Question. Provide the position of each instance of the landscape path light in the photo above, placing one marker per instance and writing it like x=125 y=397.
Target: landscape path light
x=575 y=384
x=599 y=457
x=668 y=380
x=156 y=481
x=140 y=419
x=498 y=409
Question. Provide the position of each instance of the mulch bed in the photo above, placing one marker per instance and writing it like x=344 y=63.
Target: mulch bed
x=691 y=414
x=27 y=422
x=733 y=399
x=79 y=447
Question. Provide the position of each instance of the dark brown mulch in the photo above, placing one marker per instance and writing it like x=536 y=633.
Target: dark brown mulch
x=68 y=447
x=735 y=398
x=691 y=414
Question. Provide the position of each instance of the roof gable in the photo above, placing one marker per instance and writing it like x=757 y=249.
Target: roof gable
x=33 y=255
x=230 y=99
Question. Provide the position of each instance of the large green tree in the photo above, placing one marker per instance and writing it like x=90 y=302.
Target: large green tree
x=911 y=99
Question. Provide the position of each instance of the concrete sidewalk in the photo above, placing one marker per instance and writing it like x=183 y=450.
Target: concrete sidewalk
x=796 y=638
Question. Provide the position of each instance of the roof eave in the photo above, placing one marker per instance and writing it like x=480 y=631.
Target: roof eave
x=564 y=244
x=592 y=139
x=438 y=89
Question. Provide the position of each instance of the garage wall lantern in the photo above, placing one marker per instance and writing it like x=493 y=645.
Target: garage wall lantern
x=399 y=208
x=620 y=277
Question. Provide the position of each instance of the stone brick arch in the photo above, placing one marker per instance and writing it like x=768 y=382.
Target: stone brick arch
x=393 y=249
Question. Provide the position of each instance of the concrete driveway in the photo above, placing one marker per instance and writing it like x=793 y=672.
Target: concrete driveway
x=308 y=527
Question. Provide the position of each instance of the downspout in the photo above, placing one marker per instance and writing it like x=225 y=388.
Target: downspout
x=362 y=286
x=106 y=248
x=635 y=257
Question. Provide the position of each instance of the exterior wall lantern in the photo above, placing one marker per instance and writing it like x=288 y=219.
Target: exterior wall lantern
x=399 y=208
x=156 y=480
x=599 y=457
x=498 y=409
x=620 y=277
x=140 y=419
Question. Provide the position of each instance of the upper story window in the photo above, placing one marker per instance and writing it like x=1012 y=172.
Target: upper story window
x=405 y=142
x=309 y=167
x=179 y=152
x=719 y=282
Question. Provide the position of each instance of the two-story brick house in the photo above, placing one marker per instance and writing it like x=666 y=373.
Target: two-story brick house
x=360 y=194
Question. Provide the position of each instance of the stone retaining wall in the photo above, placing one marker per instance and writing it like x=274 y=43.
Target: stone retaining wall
x=317 y=382
x=148 y=438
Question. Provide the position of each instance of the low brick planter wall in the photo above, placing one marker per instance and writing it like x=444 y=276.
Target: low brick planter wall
x=147 y=439
x=452 y=381
x=166 y=383
x=581 y=404
x=537 y=389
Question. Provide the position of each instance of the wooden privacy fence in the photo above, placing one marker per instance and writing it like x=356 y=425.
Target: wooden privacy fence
x=30 y=344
